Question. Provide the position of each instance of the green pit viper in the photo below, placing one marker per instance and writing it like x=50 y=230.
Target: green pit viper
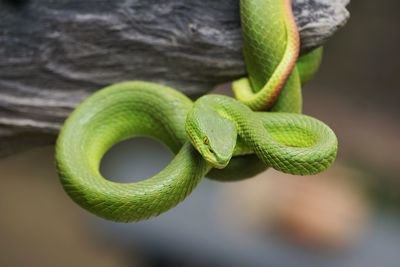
x=217 y=136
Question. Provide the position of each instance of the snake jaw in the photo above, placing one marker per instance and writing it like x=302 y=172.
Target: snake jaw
x=215 y=160
x=208 y=153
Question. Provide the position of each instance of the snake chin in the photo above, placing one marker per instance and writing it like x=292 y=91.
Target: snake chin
x=212 y=156
x=216 y=161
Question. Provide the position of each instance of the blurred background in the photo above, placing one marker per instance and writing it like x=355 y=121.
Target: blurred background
x=346 y=216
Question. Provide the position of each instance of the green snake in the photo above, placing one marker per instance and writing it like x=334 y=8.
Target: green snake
x=216 y=135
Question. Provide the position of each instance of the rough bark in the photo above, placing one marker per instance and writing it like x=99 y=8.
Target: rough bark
x=54 y=53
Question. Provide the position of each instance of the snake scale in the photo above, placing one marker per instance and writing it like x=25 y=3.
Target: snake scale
x=218 y=136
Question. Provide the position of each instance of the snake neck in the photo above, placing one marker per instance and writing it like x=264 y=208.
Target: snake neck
x=268 y=66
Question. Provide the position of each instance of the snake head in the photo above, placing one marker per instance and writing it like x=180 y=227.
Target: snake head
x=213 y=136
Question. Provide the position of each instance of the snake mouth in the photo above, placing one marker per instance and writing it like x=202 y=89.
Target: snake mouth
x=215 y=160
x=218 y=165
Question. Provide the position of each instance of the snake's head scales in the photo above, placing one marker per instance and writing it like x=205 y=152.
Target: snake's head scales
x=213 y=136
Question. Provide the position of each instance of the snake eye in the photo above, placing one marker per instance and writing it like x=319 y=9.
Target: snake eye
x=205 y=140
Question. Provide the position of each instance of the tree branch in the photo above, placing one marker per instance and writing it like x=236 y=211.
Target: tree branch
x=54 y=53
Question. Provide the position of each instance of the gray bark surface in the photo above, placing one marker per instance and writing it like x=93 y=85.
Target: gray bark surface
x=55 y=53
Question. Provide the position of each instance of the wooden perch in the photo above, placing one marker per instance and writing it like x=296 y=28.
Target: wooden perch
x=54 y=53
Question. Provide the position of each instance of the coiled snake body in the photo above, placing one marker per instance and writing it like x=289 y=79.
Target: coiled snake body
x=213 y=132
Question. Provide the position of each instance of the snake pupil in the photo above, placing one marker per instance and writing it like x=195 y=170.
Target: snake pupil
x=206 y=140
